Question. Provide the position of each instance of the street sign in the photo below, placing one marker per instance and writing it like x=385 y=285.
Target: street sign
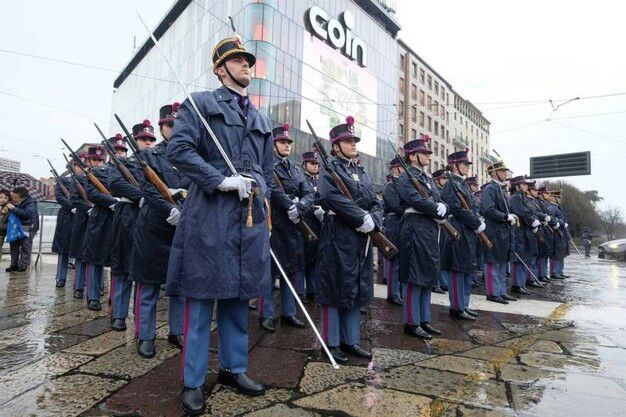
x=562 y=165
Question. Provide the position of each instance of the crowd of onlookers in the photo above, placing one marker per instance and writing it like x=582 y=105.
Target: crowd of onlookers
x=19 y=223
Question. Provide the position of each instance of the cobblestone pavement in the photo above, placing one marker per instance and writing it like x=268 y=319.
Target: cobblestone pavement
x=562 y=351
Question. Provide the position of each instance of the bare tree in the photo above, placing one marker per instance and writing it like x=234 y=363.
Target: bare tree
x=613 y=220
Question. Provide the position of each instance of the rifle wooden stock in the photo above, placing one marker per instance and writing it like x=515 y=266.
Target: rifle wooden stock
x=482 y=235
x=97 y=183
x=157 y=182
x=451 y=230
x=308 y=234
x=378 y=238
x=79 y=186
x=128 y=176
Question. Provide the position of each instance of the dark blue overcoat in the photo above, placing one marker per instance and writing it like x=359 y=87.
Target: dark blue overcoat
x=460 y=255
x=214 y=254
x=525 y=242
x=310 y=248
x=418 y=233
x=124 y=217
x=560 y=248
x=545 y=248
x=346 y=275
x=287 y=240
x=152 y=239
x=63 y=230
x=99 y=233
x=494 y=209
x=392 y=209
x=79 y=219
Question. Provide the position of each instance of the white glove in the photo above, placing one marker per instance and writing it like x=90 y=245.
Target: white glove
x=319 y=213
x=442 y=209
x=512 y=218
x=535 y=230
x=536 y=223
x=557 y=225
x=112 y=207
x=295 y=200
x=294 y=213
x=73 y=210
x=242 y=185
x=566 y=225
x=368 y=224
x=173 y=217
x=481 y=228
x=142 y=202
x=547 y=219
x=89 y=211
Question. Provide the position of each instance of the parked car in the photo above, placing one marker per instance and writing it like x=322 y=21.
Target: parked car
x=613 y=249
x=49 y=209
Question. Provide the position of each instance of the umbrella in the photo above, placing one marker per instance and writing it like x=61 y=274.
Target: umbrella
x=36 y=188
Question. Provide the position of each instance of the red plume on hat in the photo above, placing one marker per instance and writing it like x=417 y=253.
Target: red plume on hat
x=286 y=127
x=146 y=122
x=175 y=106
x=466 y=149
x=119 y=136
x=425 y=137
x=350 y=120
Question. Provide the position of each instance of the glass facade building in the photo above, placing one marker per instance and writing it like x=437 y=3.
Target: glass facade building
x=297 y=76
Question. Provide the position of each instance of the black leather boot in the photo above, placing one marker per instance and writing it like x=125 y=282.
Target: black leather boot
x=355 y=350
x=191 y=400
x=292 y=321
x=176 y=340
x=146 y=349
x=267 y=325
x=119 y=325
x=430 y=329
x=241 y=382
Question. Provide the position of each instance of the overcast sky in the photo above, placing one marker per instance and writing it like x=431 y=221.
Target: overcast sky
x=504 y=59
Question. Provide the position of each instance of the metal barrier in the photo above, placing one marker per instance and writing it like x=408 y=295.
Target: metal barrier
x=41 y=230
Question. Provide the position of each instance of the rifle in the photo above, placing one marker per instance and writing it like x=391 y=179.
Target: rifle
x=304 y=228
x=57 y=178
x=454 y=234
x=147 y=169
x=538 y=235
x=483 y=237
x=79 y=185
x=120 y=166
x=378 y=238
x=90 y=176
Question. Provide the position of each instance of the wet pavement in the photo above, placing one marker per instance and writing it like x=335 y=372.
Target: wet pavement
x=561 y=351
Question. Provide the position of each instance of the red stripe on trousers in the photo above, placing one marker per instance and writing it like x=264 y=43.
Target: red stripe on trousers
x=137 y=298
x=325 y=323
x=409 y=303
x=490 y=279
x=552 y=266
x=261 y=306
x=185 y=331
x=455 y=291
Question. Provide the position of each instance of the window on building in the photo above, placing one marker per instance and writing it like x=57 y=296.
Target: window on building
x=401 y=85
x=401 y=130
x=414 y=114
x=401 y=108
x=436 y=150
x=422 y=118
x=422 y=76
x=428 y=103
x=430 y=83
x=437 y=165
x=414 y=70
x=429 y=124
x=436 y=130
x=436 y=88
x=422 y=95
x=413 y=134
x=413 y=91
x=402 y=62
x=443 y=150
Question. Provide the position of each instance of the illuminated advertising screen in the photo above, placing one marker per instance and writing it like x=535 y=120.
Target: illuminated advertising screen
x=334 y=87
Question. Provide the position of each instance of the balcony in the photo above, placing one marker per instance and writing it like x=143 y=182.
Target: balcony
x=459 y=141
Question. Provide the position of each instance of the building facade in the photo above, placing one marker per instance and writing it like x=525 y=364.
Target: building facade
x=424 y=104
x=428 y=105
x=317 y=60
x=469 y=128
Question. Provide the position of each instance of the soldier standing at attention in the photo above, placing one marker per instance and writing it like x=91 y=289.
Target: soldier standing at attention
x=500 y=223
x=99 y=233
x=440 y=178
x=154 y=231
x=63 y=229
x=459 y=257
x=291 y=199
x=418 y=238
x=314 y=218
x=218 y=258
x=346 y=269
x=393 y=211
x=80 y=216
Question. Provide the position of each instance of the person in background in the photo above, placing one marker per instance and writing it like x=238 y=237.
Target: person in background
x=25 y=208
x=5 y=197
